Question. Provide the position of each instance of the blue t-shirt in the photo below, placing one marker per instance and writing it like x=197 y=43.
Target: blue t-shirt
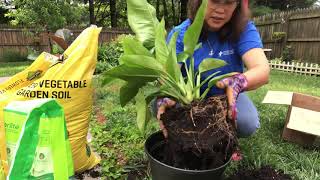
x=231 y=52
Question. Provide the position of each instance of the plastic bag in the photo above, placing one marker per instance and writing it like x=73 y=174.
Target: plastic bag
x=69 y=82
x=2 y=175
x=37 y=140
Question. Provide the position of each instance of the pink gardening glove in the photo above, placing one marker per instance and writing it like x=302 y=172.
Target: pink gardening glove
x=233 y=86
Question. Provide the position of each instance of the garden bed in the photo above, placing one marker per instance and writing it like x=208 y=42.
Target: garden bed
x=264 y=173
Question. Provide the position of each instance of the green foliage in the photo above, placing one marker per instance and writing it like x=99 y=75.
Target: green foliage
x=11 y=55
x=3 y=19
x=269 y=148
x=262 y=10
x=278 y=35
x=143 y=21
x=118 y=142
x=56 y=49
x=109 y=54
x=284 y=5
x=287 y=54
x=148 y=58
x=45 y=15
x=12 y=68
x=120 y=135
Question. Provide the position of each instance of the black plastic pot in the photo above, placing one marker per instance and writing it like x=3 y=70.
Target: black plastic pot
x=160 y=171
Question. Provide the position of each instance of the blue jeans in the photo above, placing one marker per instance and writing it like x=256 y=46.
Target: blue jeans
x=247 y=117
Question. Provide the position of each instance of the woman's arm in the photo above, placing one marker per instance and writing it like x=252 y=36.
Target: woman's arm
x=258 y=68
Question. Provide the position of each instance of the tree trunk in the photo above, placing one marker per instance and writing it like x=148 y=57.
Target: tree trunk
x=113 y=12
x=165 y=11
x=91 y=11
x=173 y=13
x=158 y=8
x=183 y=12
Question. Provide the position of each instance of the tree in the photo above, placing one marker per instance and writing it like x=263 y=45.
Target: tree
x=45 y=15
x=91 y=12
x=261 y=7
x=165 y=10
x=113 y=13
x=48 y=15
x=285 y=4
x=183 y=10
x=173 y=12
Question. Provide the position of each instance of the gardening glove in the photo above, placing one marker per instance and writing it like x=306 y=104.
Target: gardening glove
x=233 y=86
x=162 y=104
x=237 y=156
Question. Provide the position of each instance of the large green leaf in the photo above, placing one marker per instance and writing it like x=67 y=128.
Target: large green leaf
x=172 y=67
x=213 y=81
x=131 y=73
x=161 y=44
x=143 y=21
x=107 y=80
x=173 y=42
x=141 y=61
x=182 y=57
x=129 y=91
x=209 y=64
x=132 y=46
x=143 y=112
x=192 y=35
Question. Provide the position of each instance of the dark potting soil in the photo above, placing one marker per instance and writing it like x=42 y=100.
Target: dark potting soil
x=93 y=173
x=200 y=136
x=264 y=173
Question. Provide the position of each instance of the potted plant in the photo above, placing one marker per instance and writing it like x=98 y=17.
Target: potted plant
x=201 y=138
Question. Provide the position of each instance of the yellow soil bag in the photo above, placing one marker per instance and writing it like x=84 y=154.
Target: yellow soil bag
x=69 y=81
x=4 y=166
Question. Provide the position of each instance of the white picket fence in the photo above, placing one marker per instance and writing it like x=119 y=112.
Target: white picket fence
x=300 y=68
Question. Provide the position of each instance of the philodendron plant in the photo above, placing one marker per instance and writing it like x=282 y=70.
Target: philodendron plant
x=148 y=58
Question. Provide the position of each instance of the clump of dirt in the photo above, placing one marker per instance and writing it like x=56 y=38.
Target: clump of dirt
x=264 y=173
x=94 y=173
x=200 y=136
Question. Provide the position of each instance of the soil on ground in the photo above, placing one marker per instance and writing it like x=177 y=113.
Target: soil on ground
x=200 y=136
x=94 y=173
x=264 y=173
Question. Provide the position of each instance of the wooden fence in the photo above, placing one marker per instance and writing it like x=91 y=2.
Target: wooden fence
x=301 y=31
x=19 y=40
x=300 y=68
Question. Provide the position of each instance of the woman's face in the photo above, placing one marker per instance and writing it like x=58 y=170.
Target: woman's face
x=219 y=12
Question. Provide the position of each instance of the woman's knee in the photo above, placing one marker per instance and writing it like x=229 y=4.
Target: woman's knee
x=247 y=124
x=247 y=118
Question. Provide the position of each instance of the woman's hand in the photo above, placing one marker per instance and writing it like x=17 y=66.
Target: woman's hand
x=162 y=104
x=233 y=86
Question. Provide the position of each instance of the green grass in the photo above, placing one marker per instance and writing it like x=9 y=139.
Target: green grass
x=121 y=145
x=266 y=146
x=119 y=141
x=12 y=68
x=120 y=134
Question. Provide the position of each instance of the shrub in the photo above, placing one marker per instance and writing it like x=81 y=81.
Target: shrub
x=287 y=54
x=32 y=54
x=101 y=67
x=109 y=54
x=13 y=56
x=278 y=35
x=56 y=49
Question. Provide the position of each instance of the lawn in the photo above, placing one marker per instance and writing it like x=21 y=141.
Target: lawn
x=120 y=144
x=11 y=68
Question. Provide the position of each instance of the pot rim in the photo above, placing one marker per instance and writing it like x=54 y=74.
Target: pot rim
x=179 y=169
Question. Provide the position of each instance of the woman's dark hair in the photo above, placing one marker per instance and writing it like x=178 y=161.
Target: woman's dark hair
x=232 y=29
